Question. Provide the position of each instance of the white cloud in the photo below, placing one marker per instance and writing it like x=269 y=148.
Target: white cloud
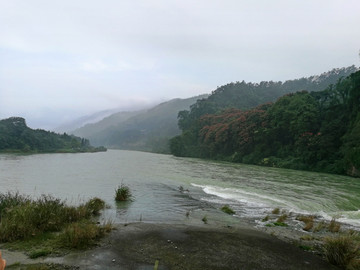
x=86 y=55
x=94 y=66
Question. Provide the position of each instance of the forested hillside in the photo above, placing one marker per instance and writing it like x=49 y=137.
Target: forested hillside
x=16 y=136
x=305 y=130
x=242 y=95
x=147 y=130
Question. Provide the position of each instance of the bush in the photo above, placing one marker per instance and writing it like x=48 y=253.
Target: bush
x=123 y=193
x=24 y=218
x=10 y=200
x=18 y=223
x=341 y=251
x=226 y=209
x=32 y=217
x=95 y=205
x=276 y=211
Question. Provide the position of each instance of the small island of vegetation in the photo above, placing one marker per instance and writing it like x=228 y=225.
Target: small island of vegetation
x=17 y=137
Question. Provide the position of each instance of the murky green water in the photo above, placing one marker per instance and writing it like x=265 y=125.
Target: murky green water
x=154 y=179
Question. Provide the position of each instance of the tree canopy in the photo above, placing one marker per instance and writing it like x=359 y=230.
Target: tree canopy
x=16 y=136
x=318 y=130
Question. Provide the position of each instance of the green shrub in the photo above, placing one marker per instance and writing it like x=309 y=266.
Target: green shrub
x=95 y=205
x=276 y=211
x=10 y=200
x=15 y=225
x=27 y=218
x=341 y=251
x=226 y=209
x=123 y=193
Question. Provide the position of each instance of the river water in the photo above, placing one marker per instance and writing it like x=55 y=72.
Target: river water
x=155 y=179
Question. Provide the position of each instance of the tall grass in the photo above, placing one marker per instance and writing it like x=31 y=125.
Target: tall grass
x=334 y=226
x=95 y=205
x=342 y=251
x=282 y=218
x=9 y=200
x=80 y=234
x=123 y=193
x=22 y=218
x=308 y=220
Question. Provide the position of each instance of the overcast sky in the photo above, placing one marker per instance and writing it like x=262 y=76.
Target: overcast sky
x=63 y=59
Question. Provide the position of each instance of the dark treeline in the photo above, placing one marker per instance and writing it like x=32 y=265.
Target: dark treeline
x=16 y=136
x=318 y=130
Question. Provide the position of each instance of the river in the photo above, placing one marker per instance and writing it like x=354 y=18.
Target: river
x=154 y=180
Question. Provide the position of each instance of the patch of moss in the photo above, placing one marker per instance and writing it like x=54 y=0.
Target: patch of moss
x=281 y=224
x=39 y=253
x=226 y=209
x=306 y=248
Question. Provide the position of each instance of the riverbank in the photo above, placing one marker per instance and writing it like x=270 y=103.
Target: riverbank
x=182 y=246
x=205 y=239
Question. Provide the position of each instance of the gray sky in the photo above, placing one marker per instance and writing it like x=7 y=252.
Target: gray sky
x=63 y=59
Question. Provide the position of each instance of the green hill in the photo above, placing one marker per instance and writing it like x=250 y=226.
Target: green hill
x=16 y=136
x=242 y=95
x=318 y=130
x=146 y=130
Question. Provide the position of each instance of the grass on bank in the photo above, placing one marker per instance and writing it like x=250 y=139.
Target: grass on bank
x=45 y=225
x=308 y=222
x=343 y=250
x=123 y=193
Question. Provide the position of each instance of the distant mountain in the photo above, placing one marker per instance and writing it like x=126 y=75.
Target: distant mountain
x=16 y=136
x=145 y=130
x=82 y=121
x=72 y=125
x=92 y=130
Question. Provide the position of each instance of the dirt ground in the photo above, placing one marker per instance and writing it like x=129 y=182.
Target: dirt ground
x=141 y=246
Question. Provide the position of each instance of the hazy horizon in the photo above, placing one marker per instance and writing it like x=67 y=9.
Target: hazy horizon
x=63 y=60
